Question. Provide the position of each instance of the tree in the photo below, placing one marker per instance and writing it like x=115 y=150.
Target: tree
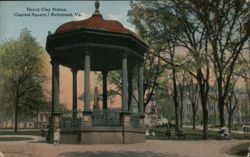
x=21 y=69
x=150 y=31
x=171 y=24
x=193 y=97
x=227 y=27
x=245 y=73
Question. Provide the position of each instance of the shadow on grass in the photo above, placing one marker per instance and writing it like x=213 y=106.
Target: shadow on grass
x=240 y=150
x=7 y=139
x=18 y=154
x=190 y=134
x=116 y=154
x=36 y=133
x=187 y=138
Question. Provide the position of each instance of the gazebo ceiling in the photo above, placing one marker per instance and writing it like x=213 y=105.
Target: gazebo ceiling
x=107 y=40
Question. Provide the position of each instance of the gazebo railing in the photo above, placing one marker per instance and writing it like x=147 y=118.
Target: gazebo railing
x=106 y=118
x=101 y=118
x=135 y=120
x=69 y=122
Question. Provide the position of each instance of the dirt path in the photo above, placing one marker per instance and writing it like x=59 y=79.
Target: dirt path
x=152 y=148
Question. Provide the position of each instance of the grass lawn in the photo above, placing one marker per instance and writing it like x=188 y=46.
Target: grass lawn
x=239 y=150
x=14 y=139
x=190 y=134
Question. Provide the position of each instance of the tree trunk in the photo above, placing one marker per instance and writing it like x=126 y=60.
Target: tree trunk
x=229 y=121
x=215 y=114
x=181 y=118
x=16 y=115
x=205 y=123
x=221 y=114
x=204 y=88
x=194 y=116
x=221 y=101
x=181 y=109
x=37 y=119
x=175 y=97
x=15 y=127
x=176 y=115
x=205 y=113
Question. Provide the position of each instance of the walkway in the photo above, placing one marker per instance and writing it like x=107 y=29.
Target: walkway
x=152 y=148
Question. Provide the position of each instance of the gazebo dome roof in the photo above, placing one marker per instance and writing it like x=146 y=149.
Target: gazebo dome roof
x=95 y=22
x=107 y=40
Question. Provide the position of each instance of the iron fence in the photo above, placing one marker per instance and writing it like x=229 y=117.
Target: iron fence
x=106 y=118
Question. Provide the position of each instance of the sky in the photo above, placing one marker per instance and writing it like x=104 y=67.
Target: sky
x=11 y=25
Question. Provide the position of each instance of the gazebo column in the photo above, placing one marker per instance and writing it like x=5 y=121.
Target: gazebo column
x=124 y=83
x=125 y=116
x=87 y=118
x=55 y=86
x=140 y=83
x=55 y=114
x=87 y=82
x=74 y=92
x=130 y=89
x=140 y=92
x=104 y=89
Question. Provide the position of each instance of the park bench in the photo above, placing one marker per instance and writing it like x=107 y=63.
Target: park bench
x=224 y=133
x=180 y=134
x=168 y=133
x=246 y=131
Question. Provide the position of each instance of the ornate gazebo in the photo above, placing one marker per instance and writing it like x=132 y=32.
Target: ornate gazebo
x=95 y=44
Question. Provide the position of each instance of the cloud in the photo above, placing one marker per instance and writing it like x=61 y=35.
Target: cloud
x=114 y=17
x=130 y=27
x=82 y=16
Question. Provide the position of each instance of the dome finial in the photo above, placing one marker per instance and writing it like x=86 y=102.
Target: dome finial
x=97 y=5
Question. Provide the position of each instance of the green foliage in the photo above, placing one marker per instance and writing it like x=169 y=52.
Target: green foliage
x=35 y=132
x=21 y=70
x=155 y=21
x=213 y=34
x=227 y=29
x=239 y=150
x=190 y=134
x=15 y=138
x=164 y=99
